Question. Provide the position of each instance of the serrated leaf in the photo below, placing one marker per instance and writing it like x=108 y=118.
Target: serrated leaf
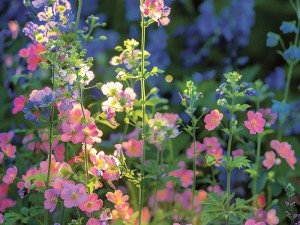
x=239 y=162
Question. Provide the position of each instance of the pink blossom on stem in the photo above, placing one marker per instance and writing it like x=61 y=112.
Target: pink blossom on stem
x=213 y=119
x=92 y=204
x=253 y=222
x=117 y=197
x=284 y=149
x=73 y=195
x=19 y=103
x=9 y=150
x=5 y=138
x=51 y=198
x=133 y=148
x=10 y=175
x=72 y=132
x=270 y=160
x=272 y=219
x=156 y=10
x=255 y=122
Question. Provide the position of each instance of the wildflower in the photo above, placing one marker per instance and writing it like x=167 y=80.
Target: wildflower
x=250 y=92
x=92 y=221
x=9 y=150
x=51 y=199
x=73 y=195
x=133 y=148
x=272 y=219
x=268 y=115
x=10 y=175
x=123 y=212
x=213 y=119
x=39 y=3
x=19 y=103
x=117 y=197
x=146 y=215
x=185 y=175
x=72 y=132
x=292 y=53
x=253 y=222
x=272 y=39
x=113 y=171
x=92 y=204
x=288 y=27
x=270 y=160
x=285 y=151
x=276 y=79
x=238 y=152
x=199 y=148
x=92 y=134
x=255 y=122
x=185 y=199
x=213 y=147
x=112 y=89
x=6 y=137
x=157 y=11
x=216 y=188
x=33 y=55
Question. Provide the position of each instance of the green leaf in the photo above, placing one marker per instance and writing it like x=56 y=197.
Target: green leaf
x=155 y=101
x=11 y=218
x=239 y=162
x=239 y=107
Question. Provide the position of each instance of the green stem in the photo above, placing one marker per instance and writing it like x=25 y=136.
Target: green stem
x=62 y=215
x=229 y=154
x=194 y=168
x=156 y=186
x=287 y=85
x=77 y=19
x=286 y=94
x=50 y=146
x=258 y=148
x=143 y=99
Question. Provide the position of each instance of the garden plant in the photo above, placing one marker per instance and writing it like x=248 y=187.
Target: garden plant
x=149 y=112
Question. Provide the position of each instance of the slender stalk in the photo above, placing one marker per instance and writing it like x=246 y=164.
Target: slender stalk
x=143 y=99
x=62 y=218
x=194 y=168
x=258 y=148
x=50 y=135
x=156 y=185
x=288 y=82
x=77 y=19
x=285 y=98
x=229 y=154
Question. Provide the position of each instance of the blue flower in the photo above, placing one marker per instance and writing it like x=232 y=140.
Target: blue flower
x=288 y=27
x=292 y=53
x=272 y=39
x=276 y=80
x=282 y=109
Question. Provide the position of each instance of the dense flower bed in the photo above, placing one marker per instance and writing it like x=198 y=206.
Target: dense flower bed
x=167 y=123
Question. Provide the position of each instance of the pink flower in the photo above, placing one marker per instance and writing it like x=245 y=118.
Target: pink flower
x=133 y=148
x=253 y=222
x=213 y=119
x=284 y=149
x=272 y=219
x=146 y=215
x=217 y=189
x=92 y=204
x=92 y=134
x=92 y=221
x=9 y=150
x=270 y=160
x=1 y=218
x=32 y=53
x=238 y=152
x=5 y=138
x=117 y=197
x=157 y=11
x=268 y=115
x=185 y=175
x=113 y=171
x=10 y=175
x=199 y=148
x=72 y=132
x=73 y=195
x=51 y=198
x=255 y=122
x=19 y=103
